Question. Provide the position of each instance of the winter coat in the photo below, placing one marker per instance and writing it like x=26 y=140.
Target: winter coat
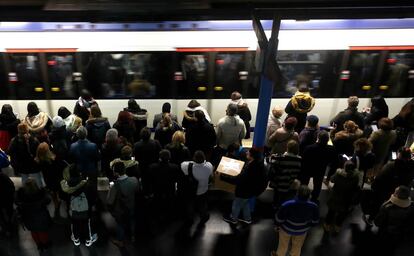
x=140 y=118
x=179 y=153
x=200 y=136
x=164 y=134
x=146 y=152
x=229 y=130
x=52 y=173
x=395 y=217
x=38 y=123
x=72 y=123
x=164 y=176
x=243 y=112
x=126 y=130
x=108 y=154
x=60 y=140
x=345 y=115
x=344 y=141
x=393 y=174
x=22 y=151
x=188 y=118
x=307 y=137
x=97 y=128
x=344 y=191
x=85 y=155
x=121 y=198
x=280 y=138
x=381 y=142
x=316 y=158
x=273 y=124
x=33 y=210
x=8 y=129
x=6 y=191
x=251 y=181
x=299 y=105
x=284 y=170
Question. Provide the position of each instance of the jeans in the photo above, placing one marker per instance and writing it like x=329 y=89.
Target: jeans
x=38 y=177
x=123 y=225
x=241 y=204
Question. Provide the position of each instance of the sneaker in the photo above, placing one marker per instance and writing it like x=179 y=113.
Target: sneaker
x=93 y=240
x=245 y=221
x=230 y=219
x=75 y=241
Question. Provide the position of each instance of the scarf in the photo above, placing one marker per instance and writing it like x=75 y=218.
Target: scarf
x=38 y=122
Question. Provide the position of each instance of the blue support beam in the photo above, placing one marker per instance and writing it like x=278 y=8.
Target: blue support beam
x=270 y=73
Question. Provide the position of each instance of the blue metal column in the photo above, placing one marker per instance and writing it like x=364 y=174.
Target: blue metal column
x=269 y=75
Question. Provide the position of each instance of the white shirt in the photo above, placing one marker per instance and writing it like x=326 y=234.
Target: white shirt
x=201 y=172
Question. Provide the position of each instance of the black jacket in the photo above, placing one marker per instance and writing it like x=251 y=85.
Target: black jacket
x=60 y=140
x=164 y=176
x=22 y=152
x=33 y=210
x=9 y=123
x=307 y=137
x=251 y=182
x=393 y=219
x=345 y=115
x=179 y=153
x=316 y=158
x=146 y=152
x=200 y=136
x=97 y=128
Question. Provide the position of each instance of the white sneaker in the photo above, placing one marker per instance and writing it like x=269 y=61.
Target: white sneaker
x=75 y=241
x=93 y=240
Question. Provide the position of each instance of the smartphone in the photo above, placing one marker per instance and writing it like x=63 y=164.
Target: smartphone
x=374 y=127
x=346 y=157
x=394 y=155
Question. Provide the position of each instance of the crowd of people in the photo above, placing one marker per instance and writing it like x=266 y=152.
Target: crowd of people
x=60 y=159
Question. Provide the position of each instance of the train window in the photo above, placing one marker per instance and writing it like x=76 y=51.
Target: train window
x=230 y=74
x=318 y=69
x=363 y=66
x=60 y=69
x=27 y=80
x=123 y=75
x=398 y=75
x=4 y=87
x=191 y=77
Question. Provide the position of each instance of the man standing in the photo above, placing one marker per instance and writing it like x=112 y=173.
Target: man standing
x=201 y=170
x=230 y=129
x=294 y=219
x=121 y=203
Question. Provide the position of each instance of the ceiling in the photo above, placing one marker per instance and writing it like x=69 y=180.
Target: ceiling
x=162 y=10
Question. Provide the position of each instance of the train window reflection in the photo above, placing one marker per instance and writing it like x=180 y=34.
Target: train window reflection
x=121 y=75
x=318 y=70
x=60 y=73
x=227 y=74
x=4 y=87
x=192 y=80
x=363 y=67
x=398 y=75
x=28 y=82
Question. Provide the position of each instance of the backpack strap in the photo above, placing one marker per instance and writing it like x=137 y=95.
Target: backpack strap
x=190 y=170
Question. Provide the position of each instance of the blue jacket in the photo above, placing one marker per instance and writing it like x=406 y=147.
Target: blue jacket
x=296 y=217
x=85 y=155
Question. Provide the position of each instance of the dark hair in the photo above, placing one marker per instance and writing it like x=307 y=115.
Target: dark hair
x=312 y=120
x=304 y=193
x=193 y=104
x=323 y=137
x=349 y=166
x=362 y=145
x=32 y=109
x=165 y=155
x=403 y=192
x=199 y=157
x=126 y=152
x=231 y=109
x=404 y=153
x=199 y=115
x=145 y=134
x=85 y=94
x=133 y=106
x=119 y=167
x=166 y=107
x=255 y=153
x=63 y=112
x=293 y=147
x=291 y=122
x=385 y=124
x=235 y=95
x=7 y=110
x=96 y=111
x=125 y=117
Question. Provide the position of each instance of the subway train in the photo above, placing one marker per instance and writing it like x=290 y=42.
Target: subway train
x=50 y=63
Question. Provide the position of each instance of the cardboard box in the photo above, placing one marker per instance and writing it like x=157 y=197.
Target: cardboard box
x=230 y=166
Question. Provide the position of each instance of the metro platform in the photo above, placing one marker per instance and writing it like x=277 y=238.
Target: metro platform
x=216 y=237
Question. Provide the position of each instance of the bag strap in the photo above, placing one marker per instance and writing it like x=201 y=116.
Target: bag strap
x=190 y=170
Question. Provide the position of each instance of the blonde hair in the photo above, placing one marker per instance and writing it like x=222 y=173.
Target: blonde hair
x=178 y=138
x=43 y=153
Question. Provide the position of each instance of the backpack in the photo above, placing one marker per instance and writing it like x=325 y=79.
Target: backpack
x=189 y=184
x=79 y=207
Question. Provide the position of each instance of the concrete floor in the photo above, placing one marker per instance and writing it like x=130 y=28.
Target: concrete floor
x=215 y=238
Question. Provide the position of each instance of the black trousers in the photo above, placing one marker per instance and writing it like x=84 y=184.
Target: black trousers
x=81 y=229
x=336 y=217
x=197 y=206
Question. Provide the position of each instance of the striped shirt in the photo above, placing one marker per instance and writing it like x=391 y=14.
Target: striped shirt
x=296 y=217
x=285 y=168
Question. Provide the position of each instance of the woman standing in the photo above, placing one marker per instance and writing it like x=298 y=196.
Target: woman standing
x=32 y=205
x=8 y=126
x=52 y=169
x=39 y=122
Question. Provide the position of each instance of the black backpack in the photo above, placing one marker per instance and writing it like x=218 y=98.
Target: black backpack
x=189 y=184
